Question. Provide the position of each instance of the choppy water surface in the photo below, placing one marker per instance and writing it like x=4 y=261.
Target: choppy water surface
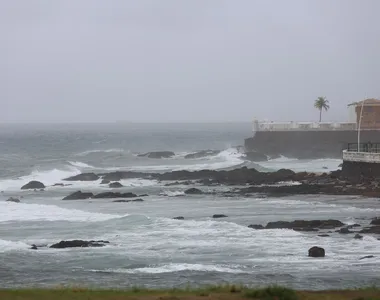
x=147 y=247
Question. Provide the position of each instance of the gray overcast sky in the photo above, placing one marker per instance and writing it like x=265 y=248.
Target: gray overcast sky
x=193 y=60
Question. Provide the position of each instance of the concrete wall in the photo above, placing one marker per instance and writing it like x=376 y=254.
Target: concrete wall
x=307 y=144
x=359 y=170
x=367 y=157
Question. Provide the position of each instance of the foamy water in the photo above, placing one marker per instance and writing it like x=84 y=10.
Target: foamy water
x=147 y=246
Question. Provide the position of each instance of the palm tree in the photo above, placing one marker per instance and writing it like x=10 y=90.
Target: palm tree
x=321 y=103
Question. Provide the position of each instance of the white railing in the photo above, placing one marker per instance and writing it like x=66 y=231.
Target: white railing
x=367 y=157
x=302 y=126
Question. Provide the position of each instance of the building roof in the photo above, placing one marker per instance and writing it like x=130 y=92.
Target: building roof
x=367 y=102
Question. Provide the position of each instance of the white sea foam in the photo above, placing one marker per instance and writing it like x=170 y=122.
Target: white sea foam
x=84 y=153
x=48 y=177
x=12 y=246
x=79 y=164
x=170 y=268
x=299 y=165
x=172 y=193
x=36 y=212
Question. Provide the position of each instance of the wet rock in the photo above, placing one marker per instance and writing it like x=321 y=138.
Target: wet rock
x=256 y=226
x=316 y=252
x=179 y=218
x=105 y=181
x=83 y=177
x=31 y=185
x=34 y=247
x=373 y=229
x=203 y=153
x=129 y=200
x=115 y=185
x=375 y=221
x=157 y=154
x=79 y=195
x=107 y=195
x=193 y=191
x=217 y=216
x=307 y=229
x=255 y=156
x=353 y=226
x=344 y=230
x=58 y=184
x=323 y=235
x=78 y=243
x=12 y=199
x=365 y=257
x=143 y=195
x=297 y=224
x=358 y=236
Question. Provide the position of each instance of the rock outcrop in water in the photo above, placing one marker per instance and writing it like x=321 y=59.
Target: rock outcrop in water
x=316 y=252
x=301 y=225
x=79 y=195
x=12 y=199
x=157 y=154
x=129 y=200
x=203 y=153
x=115 y=185
x=193 y=191
x=83 y=177
x=78 y=243
x=32 y=185
x=108 y=195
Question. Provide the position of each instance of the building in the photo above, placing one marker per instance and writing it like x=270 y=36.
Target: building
x=369 y=109
x=310 y=140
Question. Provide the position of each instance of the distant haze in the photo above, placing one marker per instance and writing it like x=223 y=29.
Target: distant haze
x=185 y=61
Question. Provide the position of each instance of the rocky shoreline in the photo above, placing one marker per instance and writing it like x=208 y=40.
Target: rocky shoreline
x=243 y=181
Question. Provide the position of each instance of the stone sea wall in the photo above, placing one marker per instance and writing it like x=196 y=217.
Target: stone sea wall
x=307 y=144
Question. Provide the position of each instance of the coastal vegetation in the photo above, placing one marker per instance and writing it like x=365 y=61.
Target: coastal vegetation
x=321 y=103
x=211 y=293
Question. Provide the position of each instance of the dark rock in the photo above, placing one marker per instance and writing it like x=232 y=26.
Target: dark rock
x=203 y=153
x=217 y=216
x=83 y=177
x=324 y=167
x=105 y=181
x=344 y=230
x=58 y=184
x=108 y=195
x=307 y=229
x=373 y=229
x=323 y=235
x=115 y=185
x=78 y=243
x=256 y=226
x=179 y=218
x=365 y=257
x=375 y=221
x=143 y=195
x=321 y=224
x=340 y=165
x=79 y=195
x=34 y=247
x=129 y=200
x=358 y=236
x=193 y=191
x=255 y=156
x=158 y=154
x=12 y=199
x=316 y=252
x=353 y=226
x=31 y=185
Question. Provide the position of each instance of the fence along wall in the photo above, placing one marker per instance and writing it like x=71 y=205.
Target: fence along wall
x=302 y=126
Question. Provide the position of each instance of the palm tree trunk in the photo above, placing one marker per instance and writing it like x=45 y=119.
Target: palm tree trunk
x=320 y=115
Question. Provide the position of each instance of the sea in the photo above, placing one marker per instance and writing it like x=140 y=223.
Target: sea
x=148 y=248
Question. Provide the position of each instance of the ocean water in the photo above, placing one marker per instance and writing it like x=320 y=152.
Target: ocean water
x=147 y=247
